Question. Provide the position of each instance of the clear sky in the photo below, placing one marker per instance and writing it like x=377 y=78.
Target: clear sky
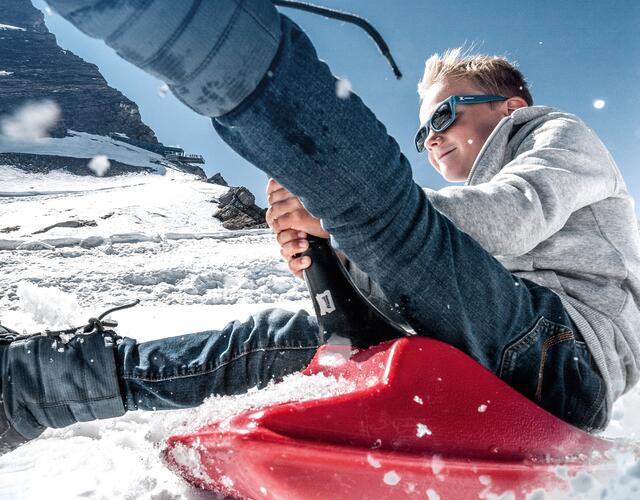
x=572 y=53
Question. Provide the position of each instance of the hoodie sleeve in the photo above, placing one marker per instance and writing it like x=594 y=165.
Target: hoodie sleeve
x=560 y=167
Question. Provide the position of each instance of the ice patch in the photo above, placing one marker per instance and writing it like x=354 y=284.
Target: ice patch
x=31 y=122
x=99 y=165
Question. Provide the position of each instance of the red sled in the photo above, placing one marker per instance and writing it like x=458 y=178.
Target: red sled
x=424 y=420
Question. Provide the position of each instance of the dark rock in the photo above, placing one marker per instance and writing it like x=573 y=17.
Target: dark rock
x=69 y=223
x=78 y=166
x=217 y=179
x=188 y=168
x=39 y=69
x=23 y=14
x=237 y=210
x=10 y=229
x=239 y=196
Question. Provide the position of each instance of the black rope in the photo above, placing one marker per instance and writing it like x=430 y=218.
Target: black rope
x=94 y=324
x=350 y=18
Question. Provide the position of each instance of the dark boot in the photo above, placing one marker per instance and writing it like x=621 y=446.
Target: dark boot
x=9 y=438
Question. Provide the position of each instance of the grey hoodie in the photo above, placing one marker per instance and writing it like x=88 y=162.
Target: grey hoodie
x=545 y=197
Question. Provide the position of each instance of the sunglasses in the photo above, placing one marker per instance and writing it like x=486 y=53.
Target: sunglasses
x=445 y=114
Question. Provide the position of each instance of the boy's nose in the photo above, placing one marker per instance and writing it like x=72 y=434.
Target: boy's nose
x=432 y=140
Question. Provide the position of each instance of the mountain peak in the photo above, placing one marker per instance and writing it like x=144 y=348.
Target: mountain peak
x=22 y=14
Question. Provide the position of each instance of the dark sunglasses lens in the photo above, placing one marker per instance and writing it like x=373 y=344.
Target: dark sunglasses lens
x=420 y=137
x=441 y=117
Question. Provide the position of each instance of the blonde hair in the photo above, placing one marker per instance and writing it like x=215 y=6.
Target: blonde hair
x=492 y=74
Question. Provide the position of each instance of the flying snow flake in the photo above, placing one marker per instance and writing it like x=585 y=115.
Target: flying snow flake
x=422 y=430
x=482 y=408
x=99 y=165
x=373 y=462
x=437 y=464
x=163 y=90
x=432 y=494
x=263 y=490
x=391 y=478
x=540 y=43
x=32 y=121
x=469 y=141
x=343 y=88
x=598 y=103
x=484 y=479
x=418 y=400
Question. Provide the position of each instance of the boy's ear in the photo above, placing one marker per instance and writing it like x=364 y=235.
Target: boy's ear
x=514 y=103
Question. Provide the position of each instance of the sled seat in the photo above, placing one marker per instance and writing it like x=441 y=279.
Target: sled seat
x=422 y=416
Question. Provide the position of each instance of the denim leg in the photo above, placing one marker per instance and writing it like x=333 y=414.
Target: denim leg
x=49 y=383
x=335 y=155
x=180 y=372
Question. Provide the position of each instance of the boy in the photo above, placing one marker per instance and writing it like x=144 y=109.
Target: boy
x=257 y=75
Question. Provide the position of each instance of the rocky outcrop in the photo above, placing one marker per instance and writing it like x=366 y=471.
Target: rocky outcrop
x=237 y=209
x=33 y=67
x=217 y=179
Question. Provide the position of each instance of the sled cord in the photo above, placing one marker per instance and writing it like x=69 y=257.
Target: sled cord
x=350 y=18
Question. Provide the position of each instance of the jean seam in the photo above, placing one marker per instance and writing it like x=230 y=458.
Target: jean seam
x=217 y=367
x=508 y=352
x=42 y=404
x=594 y=411
x=546 y=346
x=126 y=24
x=174 y=36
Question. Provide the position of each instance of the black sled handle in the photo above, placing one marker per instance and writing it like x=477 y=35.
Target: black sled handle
x=340 y=306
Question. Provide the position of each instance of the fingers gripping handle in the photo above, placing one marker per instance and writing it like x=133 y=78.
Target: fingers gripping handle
x=340 y=306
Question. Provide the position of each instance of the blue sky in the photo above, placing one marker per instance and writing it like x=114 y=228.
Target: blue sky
x=571 y=52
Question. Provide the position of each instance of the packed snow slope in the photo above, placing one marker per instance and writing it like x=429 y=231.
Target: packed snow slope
x=72 y=246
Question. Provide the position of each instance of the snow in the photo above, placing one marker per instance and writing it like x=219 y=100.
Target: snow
x=391 y=478
x=99 y=165
x=155 y=239
x=599 y=103
x=77 y=145
x=29 y=123
x=10 y=27
x=5 y=73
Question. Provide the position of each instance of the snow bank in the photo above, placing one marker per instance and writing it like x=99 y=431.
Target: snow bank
x=78 y=145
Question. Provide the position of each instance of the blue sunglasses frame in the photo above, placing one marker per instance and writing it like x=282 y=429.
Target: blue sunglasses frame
x=452 y=101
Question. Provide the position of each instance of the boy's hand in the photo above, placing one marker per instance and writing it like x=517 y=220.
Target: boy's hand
x=291 y=222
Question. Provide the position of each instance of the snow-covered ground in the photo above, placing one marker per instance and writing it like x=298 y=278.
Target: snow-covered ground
x=154 y=239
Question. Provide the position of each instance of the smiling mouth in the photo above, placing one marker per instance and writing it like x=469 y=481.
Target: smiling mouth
x=441 y=157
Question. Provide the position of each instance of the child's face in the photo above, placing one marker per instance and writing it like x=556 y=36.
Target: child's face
x=453 y=151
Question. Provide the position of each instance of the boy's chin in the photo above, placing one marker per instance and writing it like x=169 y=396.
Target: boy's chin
x=453 y=174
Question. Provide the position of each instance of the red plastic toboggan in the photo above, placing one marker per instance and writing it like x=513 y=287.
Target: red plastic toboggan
x=424 y=420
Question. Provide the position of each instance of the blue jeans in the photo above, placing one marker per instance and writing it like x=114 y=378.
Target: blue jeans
x=334 y=154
